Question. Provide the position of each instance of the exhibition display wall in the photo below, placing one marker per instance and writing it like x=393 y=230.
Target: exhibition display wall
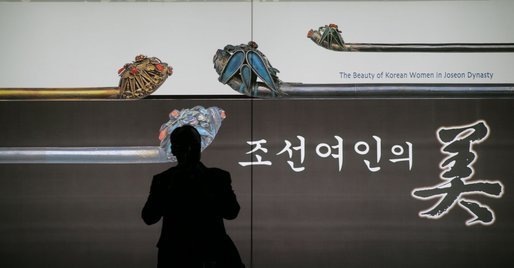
x=350 y=180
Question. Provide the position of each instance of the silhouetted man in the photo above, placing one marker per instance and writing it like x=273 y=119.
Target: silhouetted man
x=193 y=200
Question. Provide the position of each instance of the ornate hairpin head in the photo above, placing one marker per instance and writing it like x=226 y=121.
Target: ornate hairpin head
x=328 y=36
x=142 y=77
x=242 y=66
x=207 y=122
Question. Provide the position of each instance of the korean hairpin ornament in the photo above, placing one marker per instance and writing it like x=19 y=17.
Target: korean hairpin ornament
x=248 y=71
x=142 y=77
x=329 y=37
x=138 y=80
x=206 y=120
x=240 y=66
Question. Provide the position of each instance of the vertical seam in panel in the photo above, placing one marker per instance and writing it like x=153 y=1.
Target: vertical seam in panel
x=251 y=138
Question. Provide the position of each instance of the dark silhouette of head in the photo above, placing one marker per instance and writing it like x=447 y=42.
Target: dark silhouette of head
x=186 y=145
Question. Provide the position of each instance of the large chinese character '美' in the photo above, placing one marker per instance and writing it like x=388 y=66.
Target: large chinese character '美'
x=457 y=169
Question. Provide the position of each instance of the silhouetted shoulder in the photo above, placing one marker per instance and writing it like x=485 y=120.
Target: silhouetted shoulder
x=160 y=180
x=220 y=173
x=165 y=173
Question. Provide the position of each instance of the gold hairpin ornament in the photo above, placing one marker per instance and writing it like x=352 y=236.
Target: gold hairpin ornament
x=138 y=80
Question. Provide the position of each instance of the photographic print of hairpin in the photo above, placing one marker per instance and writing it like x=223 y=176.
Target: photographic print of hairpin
x=240 y=66
x=138 y=80
x=206 y=120
x=248 y=71
x=329 y=37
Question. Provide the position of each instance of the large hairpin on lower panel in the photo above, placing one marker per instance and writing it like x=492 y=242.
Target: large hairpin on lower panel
x=206 y=120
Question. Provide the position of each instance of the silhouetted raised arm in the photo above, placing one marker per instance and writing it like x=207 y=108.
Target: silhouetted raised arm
x=229 y=207
x=153 y=209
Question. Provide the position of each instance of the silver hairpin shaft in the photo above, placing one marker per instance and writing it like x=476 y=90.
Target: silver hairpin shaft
x=300 y=90
x=83 y=155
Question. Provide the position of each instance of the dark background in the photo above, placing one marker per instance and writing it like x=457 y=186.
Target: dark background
x=89 y=215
